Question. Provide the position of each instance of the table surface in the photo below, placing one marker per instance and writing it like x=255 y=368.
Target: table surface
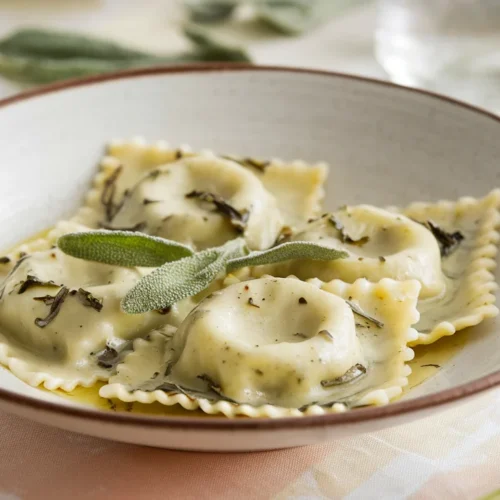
x=452 y=455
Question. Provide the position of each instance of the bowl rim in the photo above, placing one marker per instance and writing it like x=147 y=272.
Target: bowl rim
x=222 y=423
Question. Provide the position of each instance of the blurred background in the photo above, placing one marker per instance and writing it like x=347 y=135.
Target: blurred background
x=448 y=46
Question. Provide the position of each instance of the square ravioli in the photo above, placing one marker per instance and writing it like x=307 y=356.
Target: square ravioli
x=469 y=295
x=296 y=186
x=363 y=329
x=61 y=321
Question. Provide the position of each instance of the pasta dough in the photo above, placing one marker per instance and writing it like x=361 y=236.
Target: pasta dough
x=379 y=243
x=296 y=187
x=314 y=354
x=61 y=351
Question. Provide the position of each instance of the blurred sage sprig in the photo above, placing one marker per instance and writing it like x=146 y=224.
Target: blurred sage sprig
x=37 y=56
x=179 y=272
x=288 y=17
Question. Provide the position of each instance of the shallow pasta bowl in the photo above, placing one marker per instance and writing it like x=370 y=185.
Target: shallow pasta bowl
x=386 y=145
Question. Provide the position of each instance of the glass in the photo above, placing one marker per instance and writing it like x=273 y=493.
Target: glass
x=451 y=46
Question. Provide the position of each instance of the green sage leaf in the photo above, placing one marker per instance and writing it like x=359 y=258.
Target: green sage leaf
x=183 y=278
x=203 y=11
x=122 y=248
x=212 y=49
x=63 y=45
x=294 y=17
x=42 y=56
x=287 y=251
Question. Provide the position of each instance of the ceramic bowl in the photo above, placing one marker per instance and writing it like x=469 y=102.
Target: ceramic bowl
x=385 y=145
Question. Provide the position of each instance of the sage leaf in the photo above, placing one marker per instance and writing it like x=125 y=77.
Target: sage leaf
x=203 y=11
x=211 y=49
x=287 y=251
x=183 y=278
x=63 y=45
x=122 y=248
x=294 y=17
x=42 y=56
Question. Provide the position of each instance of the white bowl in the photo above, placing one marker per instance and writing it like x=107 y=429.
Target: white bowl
x=385 y=144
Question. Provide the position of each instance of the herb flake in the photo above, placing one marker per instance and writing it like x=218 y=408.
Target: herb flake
x=252 y=303
x=237 y=218
x=448 y=242
x=32 y=281
x=354 y=373
x=55 y=307
x=88 y=300
x=357 y=310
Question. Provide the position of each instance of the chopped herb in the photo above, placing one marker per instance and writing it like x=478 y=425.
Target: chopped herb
x=178 y=154
x=355 y=372
x=259 y=372
x=301 y=335
x=46 y=299
x=215 y=387
x=55 y=307
x=326 y=333
x=356 y=310
x=108 y=195
x=155 y=374
x=431 y=364
x=112 y=405
x=147 y=201
x=11 y=272
x=448 y=242
x=249 y=162
x=32 y=281
x=237 y=218
x=111 y=356
x=344 y=237
x=382 y=258
x=107 y=357
x=302 y=300
x=22 y=254
x=252 y=303
x=88 y=300
x=4 y=260
x=139 y=227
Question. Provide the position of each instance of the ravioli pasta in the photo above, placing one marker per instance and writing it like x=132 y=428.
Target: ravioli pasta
x=147 y=187
x=300 y=337
x=318 y=358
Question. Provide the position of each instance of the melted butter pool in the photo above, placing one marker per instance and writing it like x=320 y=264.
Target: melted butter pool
x=89 y=396
x=430 y=359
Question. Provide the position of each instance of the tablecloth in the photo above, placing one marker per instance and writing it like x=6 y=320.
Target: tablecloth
x=455 y=454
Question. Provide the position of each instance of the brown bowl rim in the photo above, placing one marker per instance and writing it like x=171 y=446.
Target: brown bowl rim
x=419 y=404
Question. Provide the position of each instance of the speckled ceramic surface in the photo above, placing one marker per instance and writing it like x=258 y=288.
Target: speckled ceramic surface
x=385 y=145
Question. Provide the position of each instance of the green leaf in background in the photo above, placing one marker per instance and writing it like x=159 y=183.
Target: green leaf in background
x=201 y=11
x=122 y=248
x=288 y=17
x=212 y=49
x=287 y=251
x=58 y=45
x=294 y=17
x=183 y=278
x=37 y=56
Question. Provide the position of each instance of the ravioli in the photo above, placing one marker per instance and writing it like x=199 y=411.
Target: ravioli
x=470 y=284
x=296 y=187
x=275 y=347
x=380 y=244
x=58 y=314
